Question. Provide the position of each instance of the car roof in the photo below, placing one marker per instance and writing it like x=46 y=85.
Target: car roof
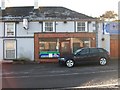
x=91 y=48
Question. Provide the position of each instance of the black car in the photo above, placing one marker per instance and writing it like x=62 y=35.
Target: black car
x=98 y=55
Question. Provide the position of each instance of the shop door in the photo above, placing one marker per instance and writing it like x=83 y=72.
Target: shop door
x=65 y=48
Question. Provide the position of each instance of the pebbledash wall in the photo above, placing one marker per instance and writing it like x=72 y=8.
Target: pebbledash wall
x=31 y=39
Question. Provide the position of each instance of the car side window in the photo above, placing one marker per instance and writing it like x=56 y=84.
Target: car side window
x=93 y=50
x=101 y=50
x=84 y=51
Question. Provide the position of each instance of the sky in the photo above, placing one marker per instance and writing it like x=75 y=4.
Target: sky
x=94 y=8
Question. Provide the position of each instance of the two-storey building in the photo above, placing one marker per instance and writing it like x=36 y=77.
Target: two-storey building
x=45 y=33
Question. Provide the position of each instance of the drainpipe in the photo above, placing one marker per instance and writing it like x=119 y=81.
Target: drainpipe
x=96 y=32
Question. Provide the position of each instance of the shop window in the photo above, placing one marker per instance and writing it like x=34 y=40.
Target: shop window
x=9 y=49
x=48 y=27
x=86 y=43
x=48 y=48
x=81 y=26
x=77 y=44
x=80 y=43
x=9 y=29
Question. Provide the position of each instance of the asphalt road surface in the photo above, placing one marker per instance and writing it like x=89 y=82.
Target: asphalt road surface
x=53 y=76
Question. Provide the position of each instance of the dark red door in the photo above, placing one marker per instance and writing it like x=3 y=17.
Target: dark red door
x=65 y=47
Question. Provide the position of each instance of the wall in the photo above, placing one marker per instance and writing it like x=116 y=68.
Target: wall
x=1 y=40
x=25 y=48
x=33 y=27
x=65 y=27
x=70 y=26
x=91 y=26
x=1 y=29
x=103 y=43
x=1 y=49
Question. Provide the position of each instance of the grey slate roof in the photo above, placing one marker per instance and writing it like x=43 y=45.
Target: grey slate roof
x=42 y=13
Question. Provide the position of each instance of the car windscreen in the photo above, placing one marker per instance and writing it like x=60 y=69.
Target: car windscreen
x=77 y=51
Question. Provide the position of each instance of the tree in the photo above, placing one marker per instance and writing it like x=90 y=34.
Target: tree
x=108 y=15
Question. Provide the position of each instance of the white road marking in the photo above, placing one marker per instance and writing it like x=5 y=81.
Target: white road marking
x=52 y=75
x=96 y=86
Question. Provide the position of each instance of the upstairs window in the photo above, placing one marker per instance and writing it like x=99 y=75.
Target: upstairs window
x=81 y=26
x=48 y=27
x=9 y=29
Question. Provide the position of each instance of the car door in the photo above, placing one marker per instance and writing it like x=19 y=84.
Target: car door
x=93 y=55
x=82 y=55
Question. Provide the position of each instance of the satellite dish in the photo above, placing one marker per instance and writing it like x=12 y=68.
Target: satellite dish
x=25 y=24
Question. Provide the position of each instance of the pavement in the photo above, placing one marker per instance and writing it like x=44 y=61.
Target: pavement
x=33 y=62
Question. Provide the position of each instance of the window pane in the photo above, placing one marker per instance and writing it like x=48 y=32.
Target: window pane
x=48 y=48
x=10 y=45
x=48 y=44
x=84 y=51
x=48 y=26
x=10 y=49
x=81 y=26
x=10 y=54
x=9 y=29
x=80 y=43
x=93 y=50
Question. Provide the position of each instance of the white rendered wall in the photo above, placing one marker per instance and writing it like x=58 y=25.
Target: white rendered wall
x=33 y=27
x=65 y=27
x=91 y=27
x=1 y=49
x=25 y=48
x=1 y=29
x=106 y=43
x=1 y=40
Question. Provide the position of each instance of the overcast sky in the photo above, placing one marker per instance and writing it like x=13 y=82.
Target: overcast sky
x=93 y=8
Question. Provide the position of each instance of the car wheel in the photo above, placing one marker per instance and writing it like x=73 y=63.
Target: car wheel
x=103 y=61
x=69 y=63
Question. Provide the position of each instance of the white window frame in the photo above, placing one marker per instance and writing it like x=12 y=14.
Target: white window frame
x=44 y=26
x=5 y=48
x=10 y=31
x=81 y=26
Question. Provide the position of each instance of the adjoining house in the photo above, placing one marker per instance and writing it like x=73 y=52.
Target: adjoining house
x=45 y=33
x=113 y=28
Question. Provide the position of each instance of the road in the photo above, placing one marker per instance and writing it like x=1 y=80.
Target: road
x=51 y=75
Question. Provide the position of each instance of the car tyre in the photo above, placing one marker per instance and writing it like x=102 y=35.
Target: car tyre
x=103 y=61
x=70 y=63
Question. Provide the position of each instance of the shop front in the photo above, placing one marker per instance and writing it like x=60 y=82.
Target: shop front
x=50 y=46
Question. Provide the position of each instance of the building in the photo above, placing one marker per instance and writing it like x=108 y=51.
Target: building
x=45 y=33
x=114 y=31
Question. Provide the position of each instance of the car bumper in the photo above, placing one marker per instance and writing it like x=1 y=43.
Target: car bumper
x=61 y=62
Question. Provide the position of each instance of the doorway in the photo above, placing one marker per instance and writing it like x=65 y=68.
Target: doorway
x=65 y=47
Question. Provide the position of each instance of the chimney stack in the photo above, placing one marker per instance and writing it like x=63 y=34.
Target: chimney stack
x=36 y=4
x=2 y=4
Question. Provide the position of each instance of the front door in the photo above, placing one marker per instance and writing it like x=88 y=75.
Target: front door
x=65 y=47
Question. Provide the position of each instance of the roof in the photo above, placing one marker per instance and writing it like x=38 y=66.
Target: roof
x=42 y=13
